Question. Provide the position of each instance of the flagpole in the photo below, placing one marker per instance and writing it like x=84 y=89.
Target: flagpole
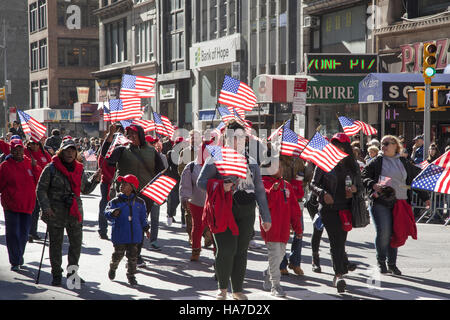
x=153 y=180
x=215 y=112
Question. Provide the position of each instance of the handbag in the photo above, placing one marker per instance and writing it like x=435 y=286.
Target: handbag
x=312 y=205
x=360 y=213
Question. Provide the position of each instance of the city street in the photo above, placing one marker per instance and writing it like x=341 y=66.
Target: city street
x=170 y=275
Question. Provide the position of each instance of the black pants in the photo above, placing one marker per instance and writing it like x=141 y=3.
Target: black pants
x=315 y=239
x=337 y=237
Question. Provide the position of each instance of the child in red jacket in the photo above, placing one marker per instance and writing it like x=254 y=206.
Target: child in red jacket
x=285 y=212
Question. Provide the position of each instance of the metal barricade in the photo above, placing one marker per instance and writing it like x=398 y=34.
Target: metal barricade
x=90 y=167
x=439 y=208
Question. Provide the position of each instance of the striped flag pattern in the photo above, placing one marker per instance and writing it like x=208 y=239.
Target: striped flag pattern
x=125 y=109
x=118 y=140
x=31 y=126
x=147 y=125
x=323 y=154
x=237 y=94
x=137 y=87
x=278 y=132
x=159 y=190
x=89 y=155
x=106 y=114
x=163 y=125
x=352 y=127
x=436 y=176
x=228 y=162
x=291 y=143
x=367 y=128
x=219 y=129
x=225 y=114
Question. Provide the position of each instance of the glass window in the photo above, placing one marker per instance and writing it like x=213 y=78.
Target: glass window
x=33 y=17
x=35 y=95
x=223 y=17
x=34 y=56
x=44 y=94
x=204 y=20
x=116 y=42
x=67 y=91
x=42 y=14
x=212 y=19
x=428 y=7
x=43 y=54
x=144 y=41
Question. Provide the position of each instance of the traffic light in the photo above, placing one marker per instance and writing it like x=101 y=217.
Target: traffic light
x=429 y=61
x=441 y=98
x=2 y=93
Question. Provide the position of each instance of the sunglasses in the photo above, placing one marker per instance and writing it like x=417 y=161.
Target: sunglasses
x=387 y=143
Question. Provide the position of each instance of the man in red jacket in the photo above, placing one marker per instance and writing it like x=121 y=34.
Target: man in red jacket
x=284 y=212
x=18 y=179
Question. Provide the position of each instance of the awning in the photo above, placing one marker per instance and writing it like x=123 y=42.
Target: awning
x=393 y=87
x=206 y=115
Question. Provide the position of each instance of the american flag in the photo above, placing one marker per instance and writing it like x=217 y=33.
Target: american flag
x=137 y=87
x=220 y=128
x=291 y=144
x=106 y=114
x=163 y=125
x=239 y=111
x=367 y=128
x=237 y=94
x=118 y=140
x=350 y=126
x=323 y=154
x=125 y=109
x=126 y=123
x=31 y=126
x=228 y=162
x=436 y=176
x=278 y=132
x=159 y=189
x=225 y=114
x=89 y=155
x=241 y=121
x=147 y=125
x=423 y=164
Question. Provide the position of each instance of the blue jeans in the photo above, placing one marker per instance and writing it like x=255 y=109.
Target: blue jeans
x=17 y=227
x=102 y=221
x=382 y=218
x=295 y=257
x=154 y=222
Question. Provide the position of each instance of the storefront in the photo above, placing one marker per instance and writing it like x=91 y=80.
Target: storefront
x=390 y=92
x=210 y=61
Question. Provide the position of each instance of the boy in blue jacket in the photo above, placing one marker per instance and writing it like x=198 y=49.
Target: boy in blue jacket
x=128 y=215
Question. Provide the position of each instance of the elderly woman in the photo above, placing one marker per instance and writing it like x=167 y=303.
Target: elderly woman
x=231 y=253
x=18 y=178
x=401 y=173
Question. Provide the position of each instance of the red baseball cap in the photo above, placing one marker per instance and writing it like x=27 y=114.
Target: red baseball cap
x=131 y=179
x=15 y=143
x=178 y=140
x=341 y=137
x=133 y=127
x=151 y=139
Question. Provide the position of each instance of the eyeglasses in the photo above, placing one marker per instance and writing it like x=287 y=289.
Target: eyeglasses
x=387 y=143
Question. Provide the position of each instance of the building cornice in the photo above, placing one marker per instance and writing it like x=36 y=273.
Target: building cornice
x=315 y=7
x=407 y=27
x=114 y=9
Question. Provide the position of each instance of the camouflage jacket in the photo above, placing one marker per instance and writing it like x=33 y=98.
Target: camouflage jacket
x=53 y=191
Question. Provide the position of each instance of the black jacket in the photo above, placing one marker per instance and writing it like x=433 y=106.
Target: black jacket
x=371 y=174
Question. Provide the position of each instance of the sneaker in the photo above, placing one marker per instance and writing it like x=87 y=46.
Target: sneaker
x=221 y=294
x=140 y=262
x=112 y=274
x=351 y=266
x=393 y=269
x=132 y=281
x=15 y=268
x=316 y=263
x=267 y=285
x=57 y=280
x=277 y=291
x=339 y=283
x=30 y=239
x=284 y=272
x=155 y=247
x=170 y=220
x=254 y=245
x=239 y=296
x=103 y=236
x=382 y=267
x=297 y=270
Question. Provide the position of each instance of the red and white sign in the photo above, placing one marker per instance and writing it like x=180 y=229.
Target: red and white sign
x=413 y=54
x=299 y=102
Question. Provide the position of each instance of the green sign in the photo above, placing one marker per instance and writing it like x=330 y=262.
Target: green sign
x=332 y=90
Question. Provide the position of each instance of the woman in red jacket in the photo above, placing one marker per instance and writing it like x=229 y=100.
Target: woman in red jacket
x=18 y=179
x=35 y=150
x=285 y=212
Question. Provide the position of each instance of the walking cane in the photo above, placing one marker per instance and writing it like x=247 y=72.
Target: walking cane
x=42 y=256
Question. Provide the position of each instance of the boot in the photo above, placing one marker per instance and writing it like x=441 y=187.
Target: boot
x=208 y=238
x=316 y=263
x=195 y=254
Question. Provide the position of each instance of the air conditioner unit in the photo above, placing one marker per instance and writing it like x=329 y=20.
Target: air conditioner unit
x=311 y=22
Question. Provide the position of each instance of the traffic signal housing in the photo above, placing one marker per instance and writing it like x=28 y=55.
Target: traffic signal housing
x=2 y=93
x=429 y=61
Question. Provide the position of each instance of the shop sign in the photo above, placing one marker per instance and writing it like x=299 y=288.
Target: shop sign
x=214 y=52
x=57 y=115
x=327 y=91
x=167 y=92
x=398 y=91
x=318 y=63
x=412 y=55
x=83 y=94
x=299 y=103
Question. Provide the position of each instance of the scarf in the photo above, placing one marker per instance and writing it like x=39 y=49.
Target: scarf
x=75 y=183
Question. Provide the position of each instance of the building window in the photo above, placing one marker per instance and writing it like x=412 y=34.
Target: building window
x=35 y=95
x=429 y=7
x=42 y=14
x=67 y=91
x=145 y=33
x=34 y=56
x=175 y=36
x=116 y=41
x=212 y=19
x=43 y=54
x=77 y=53
x=33 y=16
x=43 y=93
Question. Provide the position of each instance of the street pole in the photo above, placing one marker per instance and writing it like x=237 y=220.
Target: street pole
x=426 y=118
x=5 y=102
